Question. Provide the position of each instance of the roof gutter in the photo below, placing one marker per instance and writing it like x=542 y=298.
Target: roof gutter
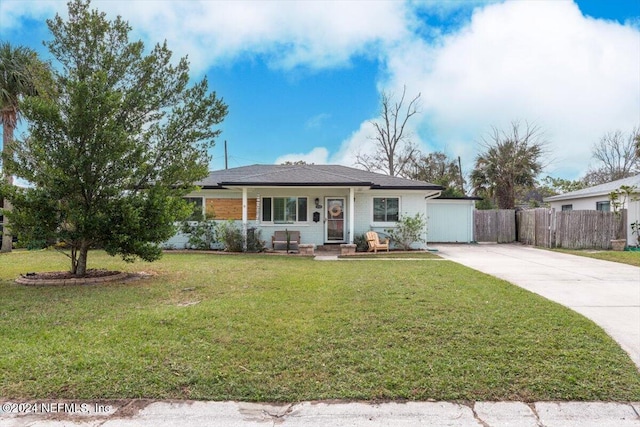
x=226 y=185
x=295 y=184
x=562 y=197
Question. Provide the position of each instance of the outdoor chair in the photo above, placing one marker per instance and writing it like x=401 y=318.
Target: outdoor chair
x=279 y=239
x=374 y=242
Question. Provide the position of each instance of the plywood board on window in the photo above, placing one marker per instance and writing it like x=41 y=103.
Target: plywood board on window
x=224 y=209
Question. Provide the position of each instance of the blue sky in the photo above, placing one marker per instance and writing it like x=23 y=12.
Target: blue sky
x=303 y=79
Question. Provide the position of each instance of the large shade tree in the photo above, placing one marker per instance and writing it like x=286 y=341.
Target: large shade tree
x=112 y=156
x=20 y=73
x=510 y=162
x=438 y=168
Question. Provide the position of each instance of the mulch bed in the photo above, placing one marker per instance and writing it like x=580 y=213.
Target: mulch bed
x=64 y=275
x=93 y=276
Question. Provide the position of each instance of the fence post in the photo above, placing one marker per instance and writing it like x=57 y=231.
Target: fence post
x=552 y=226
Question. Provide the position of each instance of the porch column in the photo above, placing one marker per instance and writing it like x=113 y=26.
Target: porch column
x=244 y=218
x=352 y=213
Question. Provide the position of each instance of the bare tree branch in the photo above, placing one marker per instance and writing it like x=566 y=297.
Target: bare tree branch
x=393 y=147
x=617 y=157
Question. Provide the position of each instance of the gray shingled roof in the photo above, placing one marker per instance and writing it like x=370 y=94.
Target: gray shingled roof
x=598 y=190
x=308 y=175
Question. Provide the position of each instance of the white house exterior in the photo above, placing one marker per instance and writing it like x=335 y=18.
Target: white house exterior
x=450 y=220
x=597 y=198
x=327 y=204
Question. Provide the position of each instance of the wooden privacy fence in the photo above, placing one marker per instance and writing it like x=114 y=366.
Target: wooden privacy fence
x=550 y=228
x=535 y=227
x=587 y=229
x=495 y=225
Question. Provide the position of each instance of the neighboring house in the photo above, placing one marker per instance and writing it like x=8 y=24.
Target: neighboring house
x=327 y=204
x=597 y=198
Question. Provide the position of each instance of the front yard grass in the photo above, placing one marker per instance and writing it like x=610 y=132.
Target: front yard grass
x=269 y=328
x=626 y=257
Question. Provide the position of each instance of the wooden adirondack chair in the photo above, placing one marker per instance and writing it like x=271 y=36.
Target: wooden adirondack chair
x=374 y=242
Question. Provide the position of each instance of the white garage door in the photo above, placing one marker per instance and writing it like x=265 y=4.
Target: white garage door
x=450 y=221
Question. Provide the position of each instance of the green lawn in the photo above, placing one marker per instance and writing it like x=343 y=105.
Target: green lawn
x=271 y=328
x=626 y=257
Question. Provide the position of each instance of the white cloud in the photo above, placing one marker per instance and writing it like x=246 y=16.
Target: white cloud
x=359 y=142
x=318 y=156
x=12 y=12
x=317 y=120
x=314 y=34
x=544 y=62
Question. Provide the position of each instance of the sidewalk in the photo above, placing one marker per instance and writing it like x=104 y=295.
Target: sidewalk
x=139 y=413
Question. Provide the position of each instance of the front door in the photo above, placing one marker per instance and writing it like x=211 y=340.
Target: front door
x=334 y=224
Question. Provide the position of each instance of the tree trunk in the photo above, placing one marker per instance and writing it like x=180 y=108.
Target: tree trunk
x=7 y=139
x=81 y=263
x=7 y=238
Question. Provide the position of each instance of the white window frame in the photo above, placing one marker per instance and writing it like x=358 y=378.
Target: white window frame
x=386 y=221
x=272 y=204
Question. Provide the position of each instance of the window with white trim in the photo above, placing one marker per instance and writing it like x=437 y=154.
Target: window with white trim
x=284 y=210
x=566 y=208
x=603 y=206
x=386 y=209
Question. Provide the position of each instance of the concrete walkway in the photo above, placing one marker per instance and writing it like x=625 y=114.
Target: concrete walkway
x=606 y=292
x=139 y=413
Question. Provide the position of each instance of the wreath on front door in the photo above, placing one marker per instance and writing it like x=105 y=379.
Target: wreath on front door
x=335 y=210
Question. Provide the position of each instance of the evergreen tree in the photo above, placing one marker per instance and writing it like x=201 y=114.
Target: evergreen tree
x=111 y=157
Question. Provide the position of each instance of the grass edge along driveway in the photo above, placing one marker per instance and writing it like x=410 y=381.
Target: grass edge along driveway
x=267 y=328
x=625 y=257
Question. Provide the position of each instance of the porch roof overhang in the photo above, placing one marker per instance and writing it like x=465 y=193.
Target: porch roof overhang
x=230 y=185
x=364 y=186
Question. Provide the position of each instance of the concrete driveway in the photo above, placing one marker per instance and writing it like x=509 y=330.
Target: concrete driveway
x=606 y=292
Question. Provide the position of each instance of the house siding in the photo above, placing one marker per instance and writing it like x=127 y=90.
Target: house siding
x=450 y=221
x=410 y=205
x=582 y=204
x=310 y=232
